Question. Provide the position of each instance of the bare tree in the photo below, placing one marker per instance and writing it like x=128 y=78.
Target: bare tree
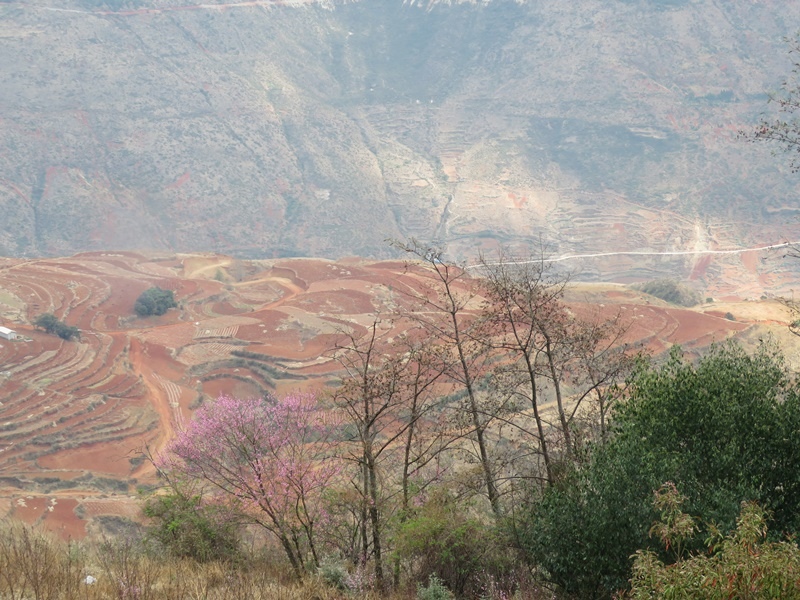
x=447 y=310
x=522 y=304
x=602 y=363
x=387 y=394
x=551 y=355
x=426 y=437
x=366 y=400
x=419 y=368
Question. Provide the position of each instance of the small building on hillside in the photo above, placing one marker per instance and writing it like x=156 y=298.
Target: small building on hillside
x=8 y=334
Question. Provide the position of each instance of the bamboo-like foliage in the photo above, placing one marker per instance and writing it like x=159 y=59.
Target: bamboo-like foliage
x=742 y=564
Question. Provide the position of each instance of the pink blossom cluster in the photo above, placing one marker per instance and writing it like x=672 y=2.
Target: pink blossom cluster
x=271 y=457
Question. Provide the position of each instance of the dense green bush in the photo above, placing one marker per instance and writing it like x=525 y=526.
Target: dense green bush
x=50 y=323
x=670 y=291
x=442 y=540
x=724 y=430
x=154 y=301
x=188 y=528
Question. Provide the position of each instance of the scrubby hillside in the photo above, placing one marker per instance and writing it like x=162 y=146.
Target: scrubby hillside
x=269 y=129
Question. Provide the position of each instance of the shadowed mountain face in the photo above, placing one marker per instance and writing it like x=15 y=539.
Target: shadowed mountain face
x=322 y=129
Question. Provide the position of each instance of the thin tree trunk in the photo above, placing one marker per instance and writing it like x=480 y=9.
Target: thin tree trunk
x=538 y=418
x=308 y=527
x=404 y=484
x=293 y=560
x=376 y=526
x=603 y=408
x=364 y=519
x=449 y=304
x=559 y=401
x=491 y=488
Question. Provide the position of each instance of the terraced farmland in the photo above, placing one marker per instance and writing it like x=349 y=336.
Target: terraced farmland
x=73 y=414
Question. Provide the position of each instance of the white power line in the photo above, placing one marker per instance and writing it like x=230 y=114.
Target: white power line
x=640 y=253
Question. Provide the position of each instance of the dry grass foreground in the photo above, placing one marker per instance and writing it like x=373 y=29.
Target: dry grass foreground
x=73 y=414
x=35 y=565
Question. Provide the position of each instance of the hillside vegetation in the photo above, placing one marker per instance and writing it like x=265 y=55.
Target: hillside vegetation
x=491 y=441
x=670 y=291
x=154 y=301
x=74 y=412
x=297 y=476
x=480 y=438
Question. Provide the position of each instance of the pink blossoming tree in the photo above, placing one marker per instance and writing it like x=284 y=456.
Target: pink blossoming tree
x=268 y=458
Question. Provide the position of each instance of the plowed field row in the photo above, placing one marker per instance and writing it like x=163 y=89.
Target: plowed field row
x=37 y=296
x=224 y=332
x=80 y=359
x=92 y=372
x=69 y=394
x=173 y=398
x=31 y=363
x=197 y=354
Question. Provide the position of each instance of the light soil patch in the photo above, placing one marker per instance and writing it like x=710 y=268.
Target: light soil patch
x=203 y=266
x=311 y=270
x=10 y=300
x=765 y=311
x=701 y=328
x=338 y=302
x=170 y=336
x=121 y=506
x=230 y=387
x=198 y=354
x=226 y=308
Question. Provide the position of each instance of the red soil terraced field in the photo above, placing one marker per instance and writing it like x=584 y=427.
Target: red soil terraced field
x=73 y=414
x=55 y=514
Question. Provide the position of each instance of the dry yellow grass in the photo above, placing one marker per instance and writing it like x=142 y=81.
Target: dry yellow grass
x=36 y=565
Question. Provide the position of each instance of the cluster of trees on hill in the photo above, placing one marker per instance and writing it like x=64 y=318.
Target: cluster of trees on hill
x=723 y=430
x=51 y=324
x=670 y=291
x=501 y=435
x=154 y=301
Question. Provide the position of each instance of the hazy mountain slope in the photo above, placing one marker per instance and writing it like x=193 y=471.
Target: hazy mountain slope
x=321 y=130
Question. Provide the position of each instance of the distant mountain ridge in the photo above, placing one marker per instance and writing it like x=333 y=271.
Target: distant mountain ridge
x=293 y=128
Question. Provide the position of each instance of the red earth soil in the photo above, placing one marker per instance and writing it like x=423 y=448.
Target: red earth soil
x=73 y=409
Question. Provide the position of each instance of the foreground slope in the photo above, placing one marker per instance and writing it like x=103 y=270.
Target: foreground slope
x=268 y=129
x=74 y=414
